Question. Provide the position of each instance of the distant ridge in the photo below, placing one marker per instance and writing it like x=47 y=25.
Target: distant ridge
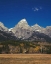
x=23 y=31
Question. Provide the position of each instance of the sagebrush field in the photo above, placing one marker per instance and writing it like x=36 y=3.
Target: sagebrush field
x=25 y=58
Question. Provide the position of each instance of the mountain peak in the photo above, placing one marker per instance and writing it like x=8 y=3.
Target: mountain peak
x=1 y=24
x=23 y=21
x=22 y=24
x=2 y=27
x=36 y=25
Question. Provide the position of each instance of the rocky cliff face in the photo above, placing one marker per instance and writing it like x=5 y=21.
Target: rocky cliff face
x=23 y=31
x=5 y=34
x=2 y=27
x=38 y=28
x=48 y=31
x=37 y=36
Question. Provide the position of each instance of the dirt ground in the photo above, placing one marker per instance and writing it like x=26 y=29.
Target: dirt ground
x=25 y=58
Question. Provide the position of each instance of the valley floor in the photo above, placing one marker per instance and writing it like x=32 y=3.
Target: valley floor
x=25 y=58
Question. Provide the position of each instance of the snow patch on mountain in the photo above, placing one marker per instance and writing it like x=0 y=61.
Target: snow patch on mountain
x=10 y=29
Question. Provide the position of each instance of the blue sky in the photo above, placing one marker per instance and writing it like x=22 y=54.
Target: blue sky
x=34 y=11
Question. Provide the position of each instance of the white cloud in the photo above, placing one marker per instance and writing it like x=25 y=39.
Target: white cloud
x=40 y=7
x=36 y=9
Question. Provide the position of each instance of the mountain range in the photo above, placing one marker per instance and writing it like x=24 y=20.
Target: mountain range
x=25 y=32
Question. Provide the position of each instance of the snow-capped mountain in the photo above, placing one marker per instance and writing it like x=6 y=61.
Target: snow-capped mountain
x=24 y=25
x=23 y=31
x=21 y=24
x=36 y=27
x=2 y=27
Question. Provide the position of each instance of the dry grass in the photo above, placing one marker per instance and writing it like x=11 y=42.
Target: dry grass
x=25 y=58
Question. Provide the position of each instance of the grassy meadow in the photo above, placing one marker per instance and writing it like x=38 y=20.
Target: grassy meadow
x=25 y=58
